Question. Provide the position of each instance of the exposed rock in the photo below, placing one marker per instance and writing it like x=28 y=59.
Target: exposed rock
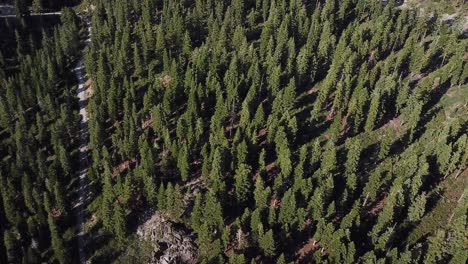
x=448 y=19
x=166 y=80
x=170 y=244
x=464 y=28
x=458 y=20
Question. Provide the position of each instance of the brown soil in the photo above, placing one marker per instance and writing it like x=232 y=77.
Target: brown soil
x=147 y=123
x=331 y=115
x=275 y=203
x=379 y=206
x=166 y=80
x=262 y=133
x=272 y=170
x=309 y=247
x=123 y=166
x=313 y=90
x=89 y=87
x=454 y=194
x=56 y=213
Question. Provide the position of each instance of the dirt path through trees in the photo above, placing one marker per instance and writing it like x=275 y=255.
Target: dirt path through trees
x=83 y=190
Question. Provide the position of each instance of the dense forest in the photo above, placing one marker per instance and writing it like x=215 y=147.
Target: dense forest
x=273 y=131
x=38 y=125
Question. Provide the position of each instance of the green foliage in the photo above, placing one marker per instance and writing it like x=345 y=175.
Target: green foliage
x=267 y=243
x=57 y=242
x=288 y=208
x=243 y=183
x=258 y=125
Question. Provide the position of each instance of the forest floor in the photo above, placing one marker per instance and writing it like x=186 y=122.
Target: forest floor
x=453 y=190
x=83 y=189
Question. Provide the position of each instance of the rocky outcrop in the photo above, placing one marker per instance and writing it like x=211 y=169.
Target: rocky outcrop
x=457 y=22
x=464 y=28
x=170 y=243
x=448 y=19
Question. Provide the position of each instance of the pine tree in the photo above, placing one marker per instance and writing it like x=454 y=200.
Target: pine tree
x=158 y=119
x=281 y=259
x=287 y=211
x=417 y=208
x=176 y=206
x=169 y=198
x=209 y=248
x=149 y=187
x=107 y=201
x=59 y=198
x=414 y=117
x=351 y=166
x=237 y=259
x=272 y=219
x=242 y=183
x=137 y=62
x=57 y=242
x=435 y=251
x=267 y=243
x=260 y=194
x=289 y=96
x=212 y=213
x=329 y=159
x=8 y=194
x=374 y=111
x=242 y=153
x=283 y=152
x=11 y=245
x=161 y=198
x=27 y=193
x=255 y=222
x=216 y=175
x=183 y=162
x=385 y=145
x=197 y=213
x=5 y=114
x=119 y=222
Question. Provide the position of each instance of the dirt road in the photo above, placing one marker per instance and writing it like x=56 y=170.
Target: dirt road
x=82 y=192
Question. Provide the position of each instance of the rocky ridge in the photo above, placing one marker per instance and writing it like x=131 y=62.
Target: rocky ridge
x=170 y=244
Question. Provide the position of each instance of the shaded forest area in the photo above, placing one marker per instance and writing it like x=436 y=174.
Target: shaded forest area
x=38 y=140
x=273 y=131
x=30 y=30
